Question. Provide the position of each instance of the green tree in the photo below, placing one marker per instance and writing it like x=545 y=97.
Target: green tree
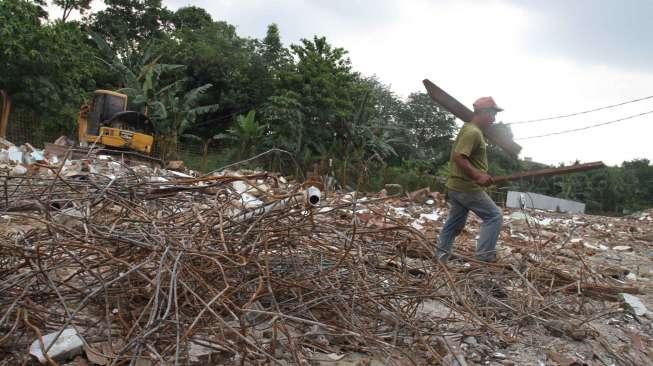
x=176 y=111
x=324 y=83
x=190 y=18
x=69 y=5
x=247 y=135
x=48 y=66
x=214 y=53
x=268 y=62
x=127 y=25
x=640 y=174
x=380 y=111
x=276 y=57
x=430 y=129
x=321 y=85
x=283 y=113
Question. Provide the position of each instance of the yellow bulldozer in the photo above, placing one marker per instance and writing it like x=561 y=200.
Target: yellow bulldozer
x=105 y=120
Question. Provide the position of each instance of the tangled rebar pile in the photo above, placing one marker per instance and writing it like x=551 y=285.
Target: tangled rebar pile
x=187 y=270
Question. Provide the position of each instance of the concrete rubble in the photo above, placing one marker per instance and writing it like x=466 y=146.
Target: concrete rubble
x=59 y=346
x=635 y=305
x=123 y=262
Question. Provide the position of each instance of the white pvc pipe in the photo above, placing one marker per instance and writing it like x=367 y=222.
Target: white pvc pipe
x=313 y=196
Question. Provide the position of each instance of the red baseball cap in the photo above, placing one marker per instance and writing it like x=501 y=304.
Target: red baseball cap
x=486 y=103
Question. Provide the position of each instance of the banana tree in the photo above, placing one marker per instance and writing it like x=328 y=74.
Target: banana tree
x=152 y=87
x=248 y=135
x=175 y=111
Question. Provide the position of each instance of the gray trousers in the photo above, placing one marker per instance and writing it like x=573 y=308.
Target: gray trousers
x=460 y=203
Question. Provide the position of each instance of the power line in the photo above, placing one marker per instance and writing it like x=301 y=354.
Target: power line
x=586 y=127
x=579 y=113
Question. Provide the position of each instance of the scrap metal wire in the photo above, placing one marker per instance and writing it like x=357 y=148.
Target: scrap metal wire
x=157 y=270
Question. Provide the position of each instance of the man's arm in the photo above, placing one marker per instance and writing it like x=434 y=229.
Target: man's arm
x=481 y=178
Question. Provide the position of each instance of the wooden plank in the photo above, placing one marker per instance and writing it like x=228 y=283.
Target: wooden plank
x=5 y=108
x=448 y=102
x=493 y=132
x=550 y=171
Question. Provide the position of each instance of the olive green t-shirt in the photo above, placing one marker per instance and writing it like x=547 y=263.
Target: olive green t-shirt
x=470 y=142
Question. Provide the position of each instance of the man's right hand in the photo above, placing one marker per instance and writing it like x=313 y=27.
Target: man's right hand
x=483 y=179
x=479 y=177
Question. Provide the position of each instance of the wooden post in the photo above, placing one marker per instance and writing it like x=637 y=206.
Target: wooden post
x=4 y=115
x=205 y=152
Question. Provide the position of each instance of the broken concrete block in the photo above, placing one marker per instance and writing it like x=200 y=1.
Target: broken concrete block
x=249 y=201
x=71 y=169
x=55 y=150
x=524 y=218
x=176 y=165
x=177 y=174
x=69 y=216
x=431 y=216
x=15 y=154
x=240 y=186
x=200 y=354
x=65 y=347
x=37 y=155
x=419 y=195
x=470 y=340
x=18 y=170
x=598 y=247
x=5 y=144
x=28 y=148
x=434 y=309
x=622 y=248
x=417 y=225
x=27 y=159
x=634 y=304
x=61 y=141
x=157 y=179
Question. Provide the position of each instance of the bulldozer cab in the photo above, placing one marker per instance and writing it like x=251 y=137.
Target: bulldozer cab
x=103 y=107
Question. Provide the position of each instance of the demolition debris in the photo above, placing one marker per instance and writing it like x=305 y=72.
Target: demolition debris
x=125 y=263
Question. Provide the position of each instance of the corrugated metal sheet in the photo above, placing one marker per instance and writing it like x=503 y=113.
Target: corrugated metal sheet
x=539 y=201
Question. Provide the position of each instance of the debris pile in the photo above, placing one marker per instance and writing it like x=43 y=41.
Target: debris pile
x=130 y=264
x=14 y=159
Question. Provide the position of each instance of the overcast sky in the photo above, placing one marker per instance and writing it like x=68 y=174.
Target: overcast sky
x=536 y=58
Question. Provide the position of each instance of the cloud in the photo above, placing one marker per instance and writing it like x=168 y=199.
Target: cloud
x=362 y=13
x=296 y=18
x=594 y=31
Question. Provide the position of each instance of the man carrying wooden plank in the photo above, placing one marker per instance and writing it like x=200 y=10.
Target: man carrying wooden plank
x=468 y=175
